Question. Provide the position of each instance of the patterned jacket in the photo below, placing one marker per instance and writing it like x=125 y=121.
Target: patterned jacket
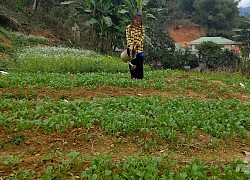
x=135 y=36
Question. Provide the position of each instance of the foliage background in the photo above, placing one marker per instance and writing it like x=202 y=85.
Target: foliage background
x=102 y=24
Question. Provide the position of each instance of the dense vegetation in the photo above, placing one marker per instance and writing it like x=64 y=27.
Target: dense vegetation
x=108 y=18
x=102 y=25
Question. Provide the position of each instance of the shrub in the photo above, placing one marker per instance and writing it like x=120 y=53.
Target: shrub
x=244 y=68
x=217 y=58
x=163 y=50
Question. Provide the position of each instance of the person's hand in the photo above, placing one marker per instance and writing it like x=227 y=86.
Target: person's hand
x=131 y=48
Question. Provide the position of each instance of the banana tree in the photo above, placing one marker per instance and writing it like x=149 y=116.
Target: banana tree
x=140 y=4
x=100 y=12
x=108 y=17
x=133 y=6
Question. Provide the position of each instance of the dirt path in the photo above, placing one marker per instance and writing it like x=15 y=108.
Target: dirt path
x=111 y=91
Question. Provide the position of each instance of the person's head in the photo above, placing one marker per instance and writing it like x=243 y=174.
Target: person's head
x=137 y=21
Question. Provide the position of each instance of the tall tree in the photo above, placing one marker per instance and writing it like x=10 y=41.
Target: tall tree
x=186 y=5
x=216 y=14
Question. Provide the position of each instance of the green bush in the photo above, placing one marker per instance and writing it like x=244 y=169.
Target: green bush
x=2 y=47
x=163 y=50
x=244 y=68
x=160 y=49
x=184 y=57
x=217 y=58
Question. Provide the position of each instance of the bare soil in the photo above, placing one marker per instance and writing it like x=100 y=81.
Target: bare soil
x=183 y=35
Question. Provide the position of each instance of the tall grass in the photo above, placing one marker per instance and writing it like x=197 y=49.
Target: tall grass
x=20 y=39
x=63 y=60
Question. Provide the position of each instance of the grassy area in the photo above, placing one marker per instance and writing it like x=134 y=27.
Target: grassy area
x=12 y=40
x=66 y=60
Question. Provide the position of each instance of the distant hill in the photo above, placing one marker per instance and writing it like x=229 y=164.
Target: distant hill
x=244 y=10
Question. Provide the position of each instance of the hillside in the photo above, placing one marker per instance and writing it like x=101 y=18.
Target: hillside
x=53 y=31
x=183 y=35
x=44 y=26
x=244 y=10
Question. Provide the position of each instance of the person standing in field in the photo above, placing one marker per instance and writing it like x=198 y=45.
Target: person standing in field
x=135 y=33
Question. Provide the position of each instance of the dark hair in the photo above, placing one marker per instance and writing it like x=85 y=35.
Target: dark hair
x=138 y=14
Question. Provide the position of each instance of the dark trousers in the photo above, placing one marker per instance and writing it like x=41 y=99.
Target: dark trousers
x=137 y=73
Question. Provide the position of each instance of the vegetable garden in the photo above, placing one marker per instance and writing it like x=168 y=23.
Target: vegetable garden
x=75 y=114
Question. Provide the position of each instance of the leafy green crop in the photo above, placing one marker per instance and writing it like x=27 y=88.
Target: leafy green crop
x=166 y=117
x=167 y=80
x=105 y=167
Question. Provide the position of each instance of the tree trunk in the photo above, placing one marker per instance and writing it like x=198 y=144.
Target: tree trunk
x=101 y=40
x=35 y=5
x=95 y=44
x=10 y=22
